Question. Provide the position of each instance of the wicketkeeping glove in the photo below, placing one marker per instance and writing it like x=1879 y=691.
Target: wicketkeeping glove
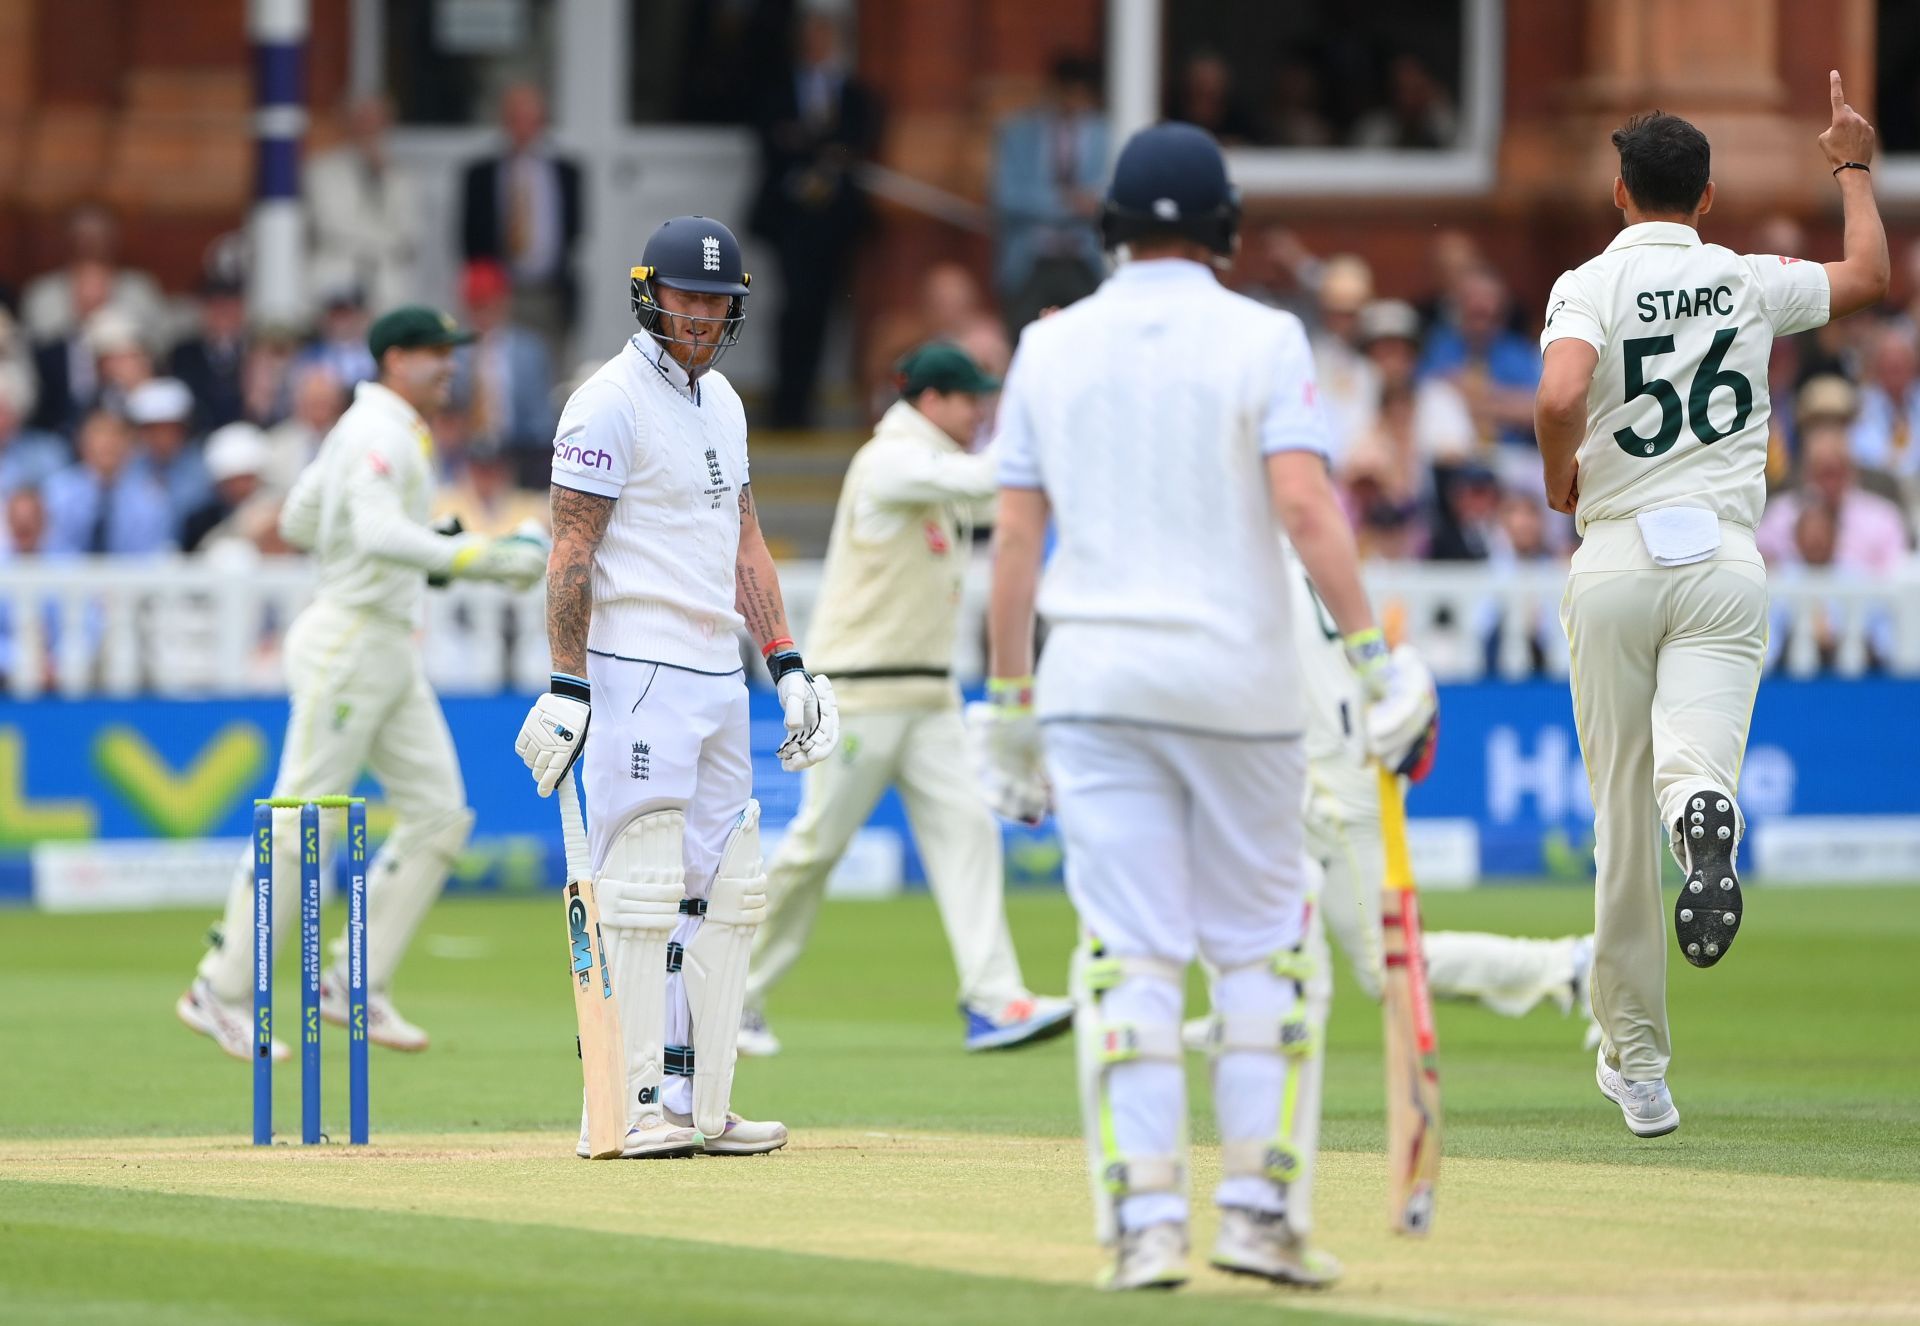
x=1004 y=738
x=812 y=714
x=518 y=560
x=555 y=731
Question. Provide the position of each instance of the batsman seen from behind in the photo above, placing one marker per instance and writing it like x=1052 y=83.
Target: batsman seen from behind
x=360 y=700
x=884 y=625
x=1167 y=428
x=658 y=562
x=1652 y=417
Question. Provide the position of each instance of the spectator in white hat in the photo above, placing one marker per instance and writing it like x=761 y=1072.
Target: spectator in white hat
x=161 y=412
x=237 y=456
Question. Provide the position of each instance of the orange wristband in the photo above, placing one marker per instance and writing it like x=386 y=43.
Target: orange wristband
x=772 y=647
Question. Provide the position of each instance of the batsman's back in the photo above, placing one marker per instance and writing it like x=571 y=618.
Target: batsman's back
x=1145 y=412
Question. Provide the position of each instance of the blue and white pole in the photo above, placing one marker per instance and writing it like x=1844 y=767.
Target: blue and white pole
x=278 y=29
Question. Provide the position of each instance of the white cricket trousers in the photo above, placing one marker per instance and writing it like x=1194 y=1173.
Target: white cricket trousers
x=1507 y=973
x=1182 y=845
x=359 y=702
x=1664 y=665
x=667 y=738
x=924 y=754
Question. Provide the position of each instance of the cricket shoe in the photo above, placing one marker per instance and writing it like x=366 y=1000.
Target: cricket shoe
x=1708 y=909
x=741 y=1137
x=1647 y=1107
x=757 y=1040
x=1025 y=1021
x=385 y=1026
x=653 y=1138
x=1261 y=1243
x=1154 y=1257
x=229 y=1025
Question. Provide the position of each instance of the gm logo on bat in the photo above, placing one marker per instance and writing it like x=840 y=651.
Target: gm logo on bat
x=582 y=944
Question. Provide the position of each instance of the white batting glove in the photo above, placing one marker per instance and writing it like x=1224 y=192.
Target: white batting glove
x=1403 y=720
x=1003 y=737
x=555 y=731
x=812 y=714
x=519 y=560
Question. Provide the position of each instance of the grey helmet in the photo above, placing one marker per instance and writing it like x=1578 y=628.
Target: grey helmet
x=698 y=254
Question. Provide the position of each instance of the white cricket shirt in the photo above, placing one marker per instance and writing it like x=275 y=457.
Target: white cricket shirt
x=673 y=455
x=1145 y=412
x=1677 y=413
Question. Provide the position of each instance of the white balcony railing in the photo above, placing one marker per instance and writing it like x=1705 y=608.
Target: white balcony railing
x=185 y=627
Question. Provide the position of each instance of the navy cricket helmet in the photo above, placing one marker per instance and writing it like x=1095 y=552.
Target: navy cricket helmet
x=697 y=254
x=1171 y=182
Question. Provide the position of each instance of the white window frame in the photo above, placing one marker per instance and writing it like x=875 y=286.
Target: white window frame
x=1134 y=40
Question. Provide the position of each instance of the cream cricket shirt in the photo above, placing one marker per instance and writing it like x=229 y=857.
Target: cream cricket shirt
x=361 y=509
x=1677 y=413
x=673 y=455
x=890 y=593
x=1146 y=412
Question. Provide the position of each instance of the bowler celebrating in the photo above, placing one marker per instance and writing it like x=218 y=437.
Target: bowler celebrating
x=1652 y=417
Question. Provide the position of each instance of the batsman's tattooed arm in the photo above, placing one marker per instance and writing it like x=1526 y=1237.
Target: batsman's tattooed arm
x=579 y=523
x=756 y=592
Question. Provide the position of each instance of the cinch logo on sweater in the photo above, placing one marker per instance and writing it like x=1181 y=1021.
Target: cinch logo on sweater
x=595 y=459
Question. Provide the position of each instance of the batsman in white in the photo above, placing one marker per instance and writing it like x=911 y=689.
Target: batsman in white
x=658 y=561
x=1167 y=426
x=1652 y=417
x=360 y=700
x=884 y=624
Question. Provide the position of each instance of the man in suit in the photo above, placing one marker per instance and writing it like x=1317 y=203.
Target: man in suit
x=505 y=378
x=1049 y=167
x=363 y=210
x=211 y=361
x=817 y=123
x=523 y=209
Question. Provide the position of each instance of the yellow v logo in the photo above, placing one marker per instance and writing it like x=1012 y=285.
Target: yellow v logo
x=187 y=804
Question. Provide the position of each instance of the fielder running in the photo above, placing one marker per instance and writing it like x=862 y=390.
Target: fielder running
x=360 y=700
x=1167 y=426
x=1652 y=417
x=884 y=628
x=658 y=561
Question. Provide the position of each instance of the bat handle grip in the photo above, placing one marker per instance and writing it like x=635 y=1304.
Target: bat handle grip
x=573 y=828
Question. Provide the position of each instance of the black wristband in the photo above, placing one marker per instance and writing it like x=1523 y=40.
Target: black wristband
x=574 y=688
x=787 y=660
x=1852 y=165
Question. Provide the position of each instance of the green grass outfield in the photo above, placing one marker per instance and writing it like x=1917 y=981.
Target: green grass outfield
x=926 y=1185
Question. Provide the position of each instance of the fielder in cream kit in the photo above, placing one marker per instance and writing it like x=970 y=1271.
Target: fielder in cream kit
x=360 y=700
x=1168 y=429
x=658 y=562
x=884 y=625
x=1652 y=415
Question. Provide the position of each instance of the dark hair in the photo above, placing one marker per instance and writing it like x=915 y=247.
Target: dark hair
x=1076 y=71
x=1664 y=161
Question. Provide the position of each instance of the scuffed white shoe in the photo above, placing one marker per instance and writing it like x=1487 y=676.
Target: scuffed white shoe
x=757 y=1040
x=652 y=1138
x=741 y=1137
x=1154 y=1257
x=230 y=1026
x=1261 y=1243
x=1647 y=1107
x=385 y=1026
x=1195 y=1032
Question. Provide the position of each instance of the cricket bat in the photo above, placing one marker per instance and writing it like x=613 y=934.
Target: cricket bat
x=602 y=1058
x=1413 y=1068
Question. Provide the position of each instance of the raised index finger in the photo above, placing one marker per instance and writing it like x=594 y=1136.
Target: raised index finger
x=1834 y=93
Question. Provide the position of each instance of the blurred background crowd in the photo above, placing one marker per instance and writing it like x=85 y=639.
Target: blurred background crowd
x=139 y=417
